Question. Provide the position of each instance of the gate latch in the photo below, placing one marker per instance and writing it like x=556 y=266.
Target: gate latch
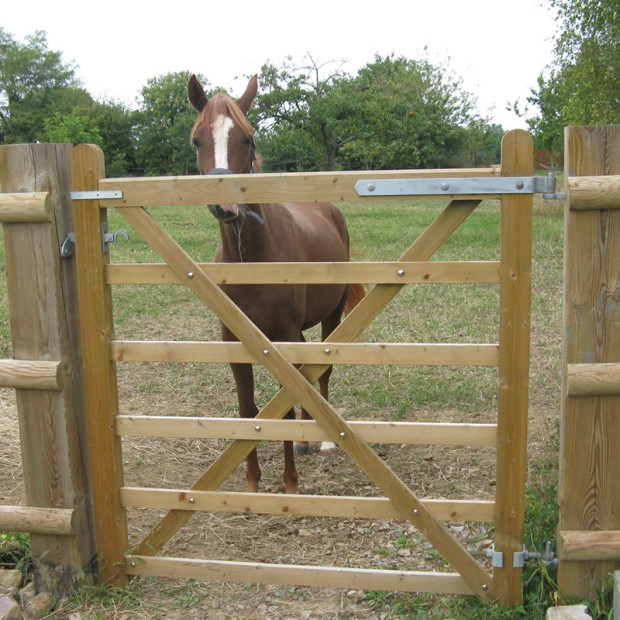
x=108 y=238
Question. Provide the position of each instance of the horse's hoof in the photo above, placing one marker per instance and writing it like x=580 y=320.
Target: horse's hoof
x=328 y=448
x=301 y=448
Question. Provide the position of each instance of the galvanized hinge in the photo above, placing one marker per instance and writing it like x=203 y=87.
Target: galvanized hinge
x=460 y=186
x=110 y=194
x=520 y=557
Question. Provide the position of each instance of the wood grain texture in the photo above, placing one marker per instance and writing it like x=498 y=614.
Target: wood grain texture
x=584 y=546
x=482 y=272
x=376 y=354
x=514 y=345
x=30 y=374
x=42 y=311
x=590 y=425
x=264 y=188
x=303 y=505
x=95 y=314
x=303 y=392
x=597 y=193
x=295 y=575
x=593 y=379
x=417 y=433
x=26 y=207
x=349 y=330
x=48 y=521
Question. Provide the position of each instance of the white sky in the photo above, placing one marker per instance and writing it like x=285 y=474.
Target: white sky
x=498 y=47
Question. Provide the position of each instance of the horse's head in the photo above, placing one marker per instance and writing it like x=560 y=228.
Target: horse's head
x=223 y=138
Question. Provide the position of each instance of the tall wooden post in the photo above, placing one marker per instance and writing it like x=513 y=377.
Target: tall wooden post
x=95 y=304
x=589 y=493
x=514 y=347
x=44 y=327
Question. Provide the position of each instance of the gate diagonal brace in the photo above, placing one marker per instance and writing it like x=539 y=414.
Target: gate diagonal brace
x=301 y=390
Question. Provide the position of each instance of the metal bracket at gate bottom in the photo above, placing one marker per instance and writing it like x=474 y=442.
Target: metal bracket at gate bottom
x=456 y=186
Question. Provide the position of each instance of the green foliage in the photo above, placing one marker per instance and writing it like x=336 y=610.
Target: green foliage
x=395 y=113
x=31 y=77
x=15 y=551
x=583 y=82
x=162 y=126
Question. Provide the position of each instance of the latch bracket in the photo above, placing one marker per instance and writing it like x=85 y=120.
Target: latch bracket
x=108 y=238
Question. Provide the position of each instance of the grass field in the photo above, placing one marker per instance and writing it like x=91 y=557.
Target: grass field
x=424 y=313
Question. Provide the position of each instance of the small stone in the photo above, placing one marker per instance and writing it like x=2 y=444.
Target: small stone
x=10 y=578
x=568 y=612
x=404 y=553
x=9 y=609
x=27 y=592
x=356 y=595
x=39 y=605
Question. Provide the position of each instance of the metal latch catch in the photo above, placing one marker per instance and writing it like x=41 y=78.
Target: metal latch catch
x=108 y=238
x=67 y=249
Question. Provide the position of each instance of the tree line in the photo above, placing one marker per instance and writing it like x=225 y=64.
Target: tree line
x=394 y=113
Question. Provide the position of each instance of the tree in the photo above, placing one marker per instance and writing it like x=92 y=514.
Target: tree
x=163 y=124
x=33 y=80
x=420 y=115
x=582 y=85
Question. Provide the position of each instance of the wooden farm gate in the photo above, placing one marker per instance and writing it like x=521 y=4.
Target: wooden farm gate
x=511 y=355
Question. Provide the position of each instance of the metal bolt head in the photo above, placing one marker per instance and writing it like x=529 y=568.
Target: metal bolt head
x=328 y=351
x=416 y=512
x=132 y=564
x=190 y=274
x=258 y=429
x=343 y=434
x=192 y=500
x=371 y=187
x=520 y=185
x=400 y=273
x=265 y=352
x=445 y=186
x=485 y=587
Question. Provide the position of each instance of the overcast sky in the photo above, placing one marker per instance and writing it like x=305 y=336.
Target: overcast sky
x=498 y=47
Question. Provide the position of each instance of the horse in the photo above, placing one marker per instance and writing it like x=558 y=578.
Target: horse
x=224 y=141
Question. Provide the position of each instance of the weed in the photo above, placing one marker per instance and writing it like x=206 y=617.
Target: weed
x=15 y=551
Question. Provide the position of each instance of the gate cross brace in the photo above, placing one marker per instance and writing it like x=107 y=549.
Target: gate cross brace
x=299 y=386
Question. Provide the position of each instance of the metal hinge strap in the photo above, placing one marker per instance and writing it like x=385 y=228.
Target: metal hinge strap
x=456 y=186
x=110 y=194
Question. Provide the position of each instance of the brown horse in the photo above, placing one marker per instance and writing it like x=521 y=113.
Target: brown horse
x=223 y=138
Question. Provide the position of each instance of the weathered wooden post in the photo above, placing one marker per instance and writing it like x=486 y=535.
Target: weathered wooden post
x=589 y=494
x=35 y=209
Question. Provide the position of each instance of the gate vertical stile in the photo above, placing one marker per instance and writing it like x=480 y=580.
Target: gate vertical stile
x=96 y=327
x=514 y=344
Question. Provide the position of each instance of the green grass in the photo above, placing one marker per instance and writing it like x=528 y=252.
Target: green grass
x=425 y=313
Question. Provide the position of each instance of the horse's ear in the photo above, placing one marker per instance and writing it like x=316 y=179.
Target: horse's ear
x=196 y=94
x=245 y=101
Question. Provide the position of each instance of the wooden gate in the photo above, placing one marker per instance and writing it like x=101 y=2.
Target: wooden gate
x=511 y=355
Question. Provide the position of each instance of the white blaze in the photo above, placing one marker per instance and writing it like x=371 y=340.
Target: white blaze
x=221 y=130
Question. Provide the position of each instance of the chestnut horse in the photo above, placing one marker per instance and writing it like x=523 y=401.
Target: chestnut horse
x=223 y=138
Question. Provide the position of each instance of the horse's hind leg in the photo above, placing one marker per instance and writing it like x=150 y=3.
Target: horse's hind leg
x=244 y=380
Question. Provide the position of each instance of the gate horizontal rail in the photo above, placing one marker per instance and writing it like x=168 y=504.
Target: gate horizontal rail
x=355 y=353
x=303 y=505
x=440 y=272
x=422 y=433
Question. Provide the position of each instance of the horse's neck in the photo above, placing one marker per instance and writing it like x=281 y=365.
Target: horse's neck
x=246 y=242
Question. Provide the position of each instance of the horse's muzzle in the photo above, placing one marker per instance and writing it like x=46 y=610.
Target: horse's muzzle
x=228 y=212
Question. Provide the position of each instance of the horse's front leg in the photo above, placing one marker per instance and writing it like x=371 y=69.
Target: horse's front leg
x=244 y=380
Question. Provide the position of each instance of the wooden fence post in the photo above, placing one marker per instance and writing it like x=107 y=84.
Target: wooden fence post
x=514 y=364
x=95 y=306
x=44 y=328
x=590 y=423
